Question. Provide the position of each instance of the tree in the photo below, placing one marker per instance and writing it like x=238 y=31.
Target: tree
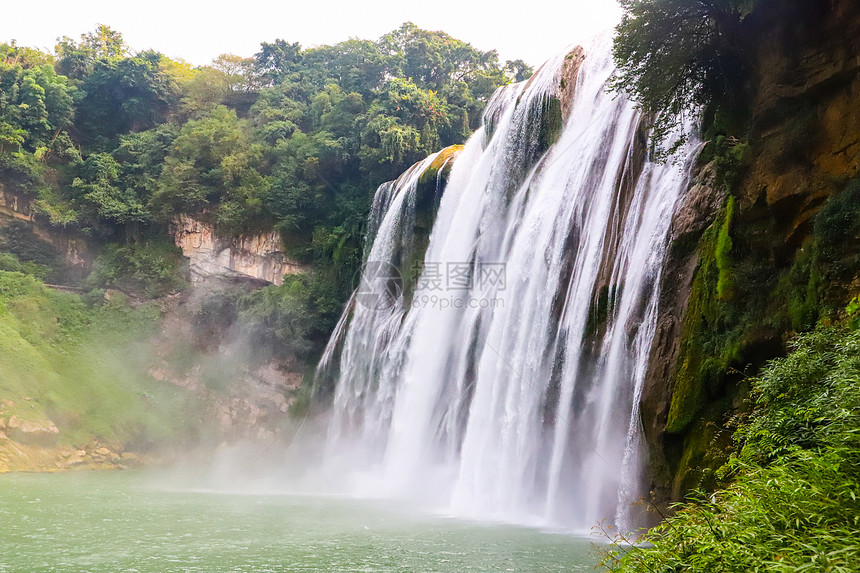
x=35 y=108
x=76 y=59
x=35 y=104
x=104 y=42
x=12 y=54
x=674 y=56
x=294 y=140
x=277 y=60
x=354 y=65
x=100 y=191
x=517 y=70
x=141 y=157
x=124 y=95
x=240 y=73
x=214 y=170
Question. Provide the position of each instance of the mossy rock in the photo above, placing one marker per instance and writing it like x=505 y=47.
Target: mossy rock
x=706 y=447
x=431 y=185
x=750 y=293
x=428 y=195
x=703 y=357
x=545 y=123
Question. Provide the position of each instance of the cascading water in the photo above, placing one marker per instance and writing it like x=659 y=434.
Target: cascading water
x=505 y=381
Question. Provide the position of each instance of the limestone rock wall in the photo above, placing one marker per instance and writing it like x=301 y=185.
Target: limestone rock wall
x=806 y=116
x=803 y=147
x=73 y=248
x=256 y=256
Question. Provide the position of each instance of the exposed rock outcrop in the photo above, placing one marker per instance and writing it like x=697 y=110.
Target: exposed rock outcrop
x=569 y=73
x=696 y=213
x=256 y=256
x=804 y=146
x=71 y=247
x=32 y=433
x=806 y=119
x=246 y=396
x=21 y=456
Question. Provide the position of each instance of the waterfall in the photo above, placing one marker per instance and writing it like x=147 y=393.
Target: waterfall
x=501 y=377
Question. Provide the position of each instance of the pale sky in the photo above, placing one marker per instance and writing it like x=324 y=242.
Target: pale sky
x=197 y=32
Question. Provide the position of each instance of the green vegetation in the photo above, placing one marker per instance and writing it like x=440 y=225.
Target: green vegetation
x=740 y=307
x=150 y=268
x=108 y=147
x=793 y=503
x=82 y=367
x=285 y=320
x=709 y=341
x=722 y=251
x=113 y=146
x=674 y=56
x=291 y=139
x=785 y=499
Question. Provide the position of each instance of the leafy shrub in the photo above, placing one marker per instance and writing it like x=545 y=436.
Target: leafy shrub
x=9 y=262
x=17 y=237
x=837 y=227
x=793 y=504
x=153 y=268
x=817 y=284
x=281 y=317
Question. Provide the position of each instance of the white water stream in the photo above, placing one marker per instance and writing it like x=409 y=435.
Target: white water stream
x=512 y=392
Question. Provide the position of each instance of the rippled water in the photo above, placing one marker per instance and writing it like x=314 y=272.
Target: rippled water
x=122 y=522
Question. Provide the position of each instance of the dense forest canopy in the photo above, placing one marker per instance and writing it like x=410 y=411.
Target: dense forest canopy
x=116 y=144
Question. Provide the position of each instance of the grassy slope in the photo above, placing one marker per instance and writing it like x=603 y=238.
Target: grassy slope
x=82 y=367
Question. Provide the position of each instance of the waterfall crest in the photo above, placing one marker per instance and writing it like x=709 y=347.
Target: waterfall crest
x=501 y=377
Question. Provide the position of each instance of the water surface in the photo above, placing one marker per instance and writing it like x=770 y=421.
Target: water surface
x=122 y=522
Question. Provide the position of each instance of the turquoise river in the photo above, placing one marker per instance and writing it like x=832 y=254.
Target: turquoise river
x=130 y=522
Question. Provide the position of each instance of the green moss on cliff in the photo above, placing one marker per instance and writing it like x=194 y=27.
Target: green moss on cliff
x=744 y=302
x=818 y=283
x=551 y=122
x=440 y=166
x=705 y=447
x=428 y=194
x=431 y=184
x=722 y=250
x=705 y=349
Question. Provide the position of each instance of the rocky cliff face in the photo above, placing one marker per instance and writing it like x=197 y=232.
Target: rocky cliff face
x=259 y=257
x=205 y=352
x=806 y=117
x=71 y=247
x=804 y=146
x=254 y=256
x=242 y=398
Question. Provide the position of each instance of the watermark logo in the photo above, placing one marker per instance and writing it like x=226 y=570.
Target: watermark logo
x=436 y=285
x=438 y=277
x=380 y=286
x=456 y=302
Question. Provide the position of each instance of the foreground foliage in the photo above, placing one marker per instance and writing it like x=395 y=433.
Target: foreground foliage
x=794 y=502
x=82 y=366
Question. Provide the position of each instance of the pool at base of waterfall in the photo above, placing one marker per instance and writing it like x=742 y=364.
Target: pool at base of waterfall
x=132 y=522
